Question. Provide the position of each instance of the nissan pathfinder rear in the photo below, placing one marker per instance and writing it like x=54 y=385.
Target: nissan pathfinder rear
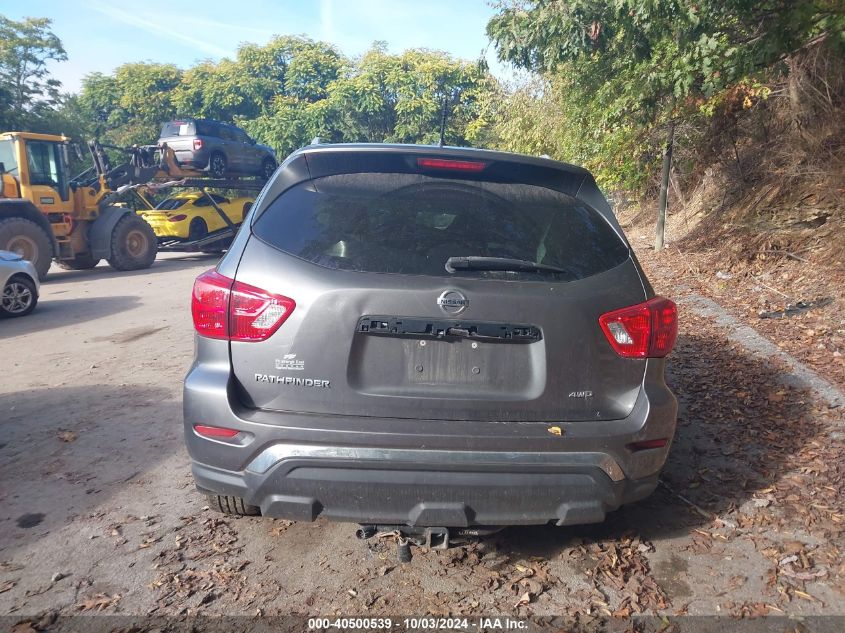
x=425 y=336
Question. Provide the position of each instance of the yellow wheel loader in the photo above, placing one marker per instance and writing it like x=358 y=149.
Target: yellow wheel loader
x=45 y=214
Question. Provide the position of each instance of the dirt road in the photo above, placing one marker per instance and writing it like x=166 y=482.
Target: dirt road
x=98 y=511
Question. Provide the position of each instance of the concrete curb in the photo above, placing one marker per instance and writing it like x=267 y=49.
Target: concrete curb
x=799 y=375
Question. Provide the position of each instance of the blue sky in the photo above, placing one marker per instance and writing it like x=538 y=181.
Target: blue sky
x=102 y=34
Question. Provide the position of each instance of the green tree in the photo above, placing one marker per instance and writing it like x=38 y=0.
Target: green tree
x=378 y=98
x=292 y=89
x=216 y=91
x=626 y=67
x=26 y=88
x=130 y=105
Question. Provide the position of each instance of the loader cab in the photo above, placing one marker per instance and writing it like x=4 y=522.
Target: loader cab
x=39 y=165
x=8 y=168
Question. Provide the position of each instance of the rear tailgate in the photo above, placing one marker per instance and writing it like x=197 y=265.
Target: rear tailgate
x=321 y=362
x=179 y=135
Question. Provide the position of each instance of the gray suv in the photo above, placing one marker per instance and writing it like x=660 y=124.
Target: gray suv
x=426 y=337
x=221 y=149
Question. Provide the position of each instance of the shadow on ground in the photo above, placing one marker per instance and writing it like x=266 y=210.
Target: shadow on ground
x=738 y=427
x=103 y=271
x=64 y=451
x=53 y=313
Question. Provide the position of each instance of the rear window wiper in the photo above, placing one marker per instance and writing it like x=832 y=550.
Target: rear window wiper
x=476 y=262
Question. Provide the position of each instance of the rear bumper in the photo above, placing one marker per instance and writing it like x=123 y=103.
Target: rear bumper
x=193 y=159
x=390 y=490
x=421 y=472
x=167 y=229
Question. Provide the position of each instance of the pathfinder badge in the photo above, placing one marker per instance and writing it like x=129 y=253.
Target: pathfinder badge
x=294 y=382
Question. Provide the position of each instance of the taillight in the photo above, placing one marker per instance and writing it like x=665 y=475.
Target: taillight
x=451 y=165
x=197 y=143
x=646 y=330
x=177 y=218
x=210 y=304
x=215 y=431
x=227 y=309
x=254 y=314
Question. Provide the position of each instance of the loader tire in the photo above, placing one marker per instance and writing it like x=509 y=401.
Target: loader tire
x=232 y=505
x=83 y=261
x=28 y=240
x=133 y=244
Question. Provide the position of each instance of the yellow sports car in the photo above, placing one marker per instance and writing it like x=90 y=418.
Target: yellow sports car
x=190 y=215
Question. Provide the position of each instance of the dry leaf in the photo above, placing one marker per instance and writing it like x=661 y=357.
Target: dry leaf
x=523 y=600
x=66 y=436
x=793 y=547
x=98 y=602
x=806 y=596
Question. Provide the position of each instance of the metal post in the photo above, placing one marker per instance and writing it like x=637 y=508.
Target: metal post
x=660 y=229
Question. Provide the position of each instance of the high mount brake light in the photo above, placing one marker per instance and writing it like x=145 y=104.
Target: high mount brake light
x=645 y=330
x=451 y=165
x=226 y=309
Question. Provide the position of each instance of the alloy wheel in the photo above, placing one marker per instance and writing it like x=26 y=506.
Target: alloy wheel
x=16 y=298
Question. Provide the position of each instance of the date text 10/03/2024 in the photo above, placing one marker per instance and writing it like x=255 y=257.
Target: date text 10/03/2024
x=428 y=624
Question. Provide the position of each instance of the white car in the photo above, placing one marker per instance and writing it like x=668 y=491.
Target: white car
x=19 y=282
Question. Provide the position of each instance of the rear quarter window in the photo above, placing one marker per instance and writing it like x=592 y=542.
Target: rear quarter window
x=411 y=224
x=207 y=128
x=169 y=204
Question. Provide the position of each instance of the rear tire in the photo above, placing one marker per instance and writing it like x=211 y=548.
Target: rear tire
x=133 y=244
x=19 y=297
x=83 y=261
x=268 y=168
x=232 y=505
x=217 y=165
x=197 y=229
x=28 y=240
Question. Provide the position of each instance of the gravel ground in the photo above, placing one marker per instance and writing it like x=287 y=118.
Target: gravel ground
x=99 y=514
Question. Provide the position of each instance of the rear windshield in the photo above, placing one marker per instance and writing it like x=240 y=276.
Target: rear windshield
x=411 y=224
x=178 y=128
